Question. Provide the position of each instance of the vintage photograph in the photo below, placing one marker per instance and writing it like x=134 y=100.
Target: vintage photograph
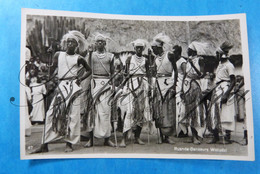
x=116 y=86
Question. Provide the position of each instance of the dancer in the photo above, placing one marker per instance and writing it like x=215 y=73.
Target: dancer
x=63 y=116
x=101 y=62
x=222 y=108
x=136 y=94
x=165 y=112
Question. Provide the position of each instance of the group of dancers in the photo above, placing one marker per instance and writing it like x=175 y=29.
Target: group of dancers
x=160 y=88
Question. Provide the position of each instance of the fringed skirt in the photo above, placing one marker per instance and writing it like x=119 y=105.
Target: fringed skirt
x=164 y=104
x=180 y=111
x=134 y=103
x=194 y=109
x=63 y=116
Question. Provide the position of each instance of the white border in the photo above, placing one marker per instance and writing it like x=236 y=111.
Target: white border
x=246 y=71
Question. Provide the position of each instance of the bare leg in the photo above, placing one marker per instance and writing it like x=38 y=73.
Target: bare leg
x=137 y=136
x=123 y=144
x=195 y=136
x=165 y=132
x=245 y=140
x=108 y=142
x=228 y=137
x=168 y=140
x=215 y=138
x=90 y=141
x=160 y=136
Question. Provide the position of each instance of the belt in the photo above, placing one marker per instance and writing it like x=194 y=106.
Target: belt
x=164 y=75
x=222 y=81
x=138 y=75
x=100 y=77
x=68 y=78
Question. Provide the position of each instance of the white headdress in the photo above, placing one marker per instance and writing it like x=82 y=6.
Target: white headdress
x=162 y=40
x=99 y=36
x=76 y=35
x=200 y=48
x=139 y=42
x=224 y=47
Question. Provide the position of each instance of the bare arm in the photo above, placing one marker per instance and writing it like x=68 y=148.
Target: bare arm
x=231 y=86
x=55 y=65
x=112 y=65
x=171 y=59
x=202 y=66
x=175 y=76
x=194 y=67
x=242 y=82
x=183 y=68
x=81 y=61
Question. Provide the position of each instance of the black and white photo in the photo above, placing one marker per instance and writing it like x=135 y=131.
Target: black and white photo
x=117 y=86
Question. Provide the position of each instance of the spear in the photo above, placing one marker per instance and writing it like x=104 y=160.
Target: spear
x=113 y=110
x=149 y=75
x=91 y=64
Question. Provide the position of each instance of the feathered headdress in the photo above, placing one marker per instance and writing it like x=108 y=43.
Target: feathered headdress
x=78 y=36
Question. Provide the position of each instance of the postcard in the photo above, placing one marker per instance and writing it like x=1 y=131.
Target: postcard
x=121 y=86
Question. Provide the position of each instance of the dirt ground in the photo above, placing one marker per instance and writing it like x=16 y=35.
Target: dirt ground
x=152 y=146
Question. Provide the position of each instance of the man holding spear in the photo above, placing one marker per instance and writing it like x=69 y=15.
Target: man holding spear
x=135 y=93
x=222 y=112
x=191 y=92
x=102 y=76
x=63 y=117
x=165 y=112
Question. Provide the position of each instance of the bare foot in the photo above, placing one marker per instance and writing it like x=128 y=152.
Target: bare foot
x=88 y=144
x=42 y=149
x=169 y=141
x=122 y=144
x=68 y=147
x=196 y=141
x=213 y=141
x=139 y=141
x=109 y=143
x=243 y=142
x=159 y=141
